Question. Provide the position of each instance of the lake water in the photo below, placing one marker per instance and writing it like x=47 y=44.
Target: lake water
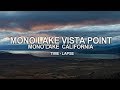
x=99 y=56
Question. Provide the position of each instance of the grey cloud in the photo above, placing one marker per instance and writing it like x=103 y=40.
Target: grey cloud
x=25 y=19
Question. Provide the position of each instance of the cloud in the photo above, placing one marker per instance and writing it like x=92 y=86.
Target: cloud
x=38 y=20
x=6 y=39
x=44 y=27
x=113 y=27
x=116 y=39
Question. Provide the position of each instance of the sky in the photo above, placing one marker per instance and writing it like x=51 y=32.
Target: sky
x=59 y=23
x=44 y=20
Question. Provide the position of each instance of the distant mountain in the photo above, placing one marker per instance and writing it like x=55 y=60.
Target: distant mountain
x=111 y=49
x=9 y=56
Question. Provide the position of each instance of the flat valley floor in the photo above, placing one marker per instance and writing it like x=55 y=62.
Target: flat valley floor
x=60 y=68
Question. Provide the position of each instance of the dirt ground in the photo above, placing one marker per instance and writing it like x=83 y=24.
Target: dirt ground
x=60 y=69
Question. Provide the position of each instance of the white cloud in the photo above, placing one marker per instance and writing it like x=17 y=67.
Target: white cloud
x=115 y=27
x=4 y=39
